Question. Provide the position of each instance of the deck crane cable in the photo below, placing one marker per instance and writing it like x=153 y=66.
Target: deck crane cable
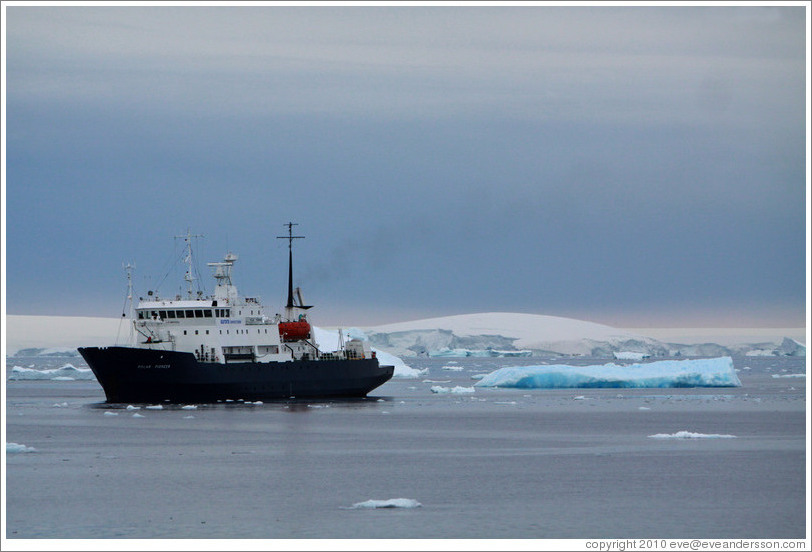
x=170 y=265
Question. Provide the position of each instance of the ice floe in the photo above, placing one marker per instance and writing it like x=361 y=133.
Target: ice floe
x=458 y=390
x=711 y=372
x=68 y=372
x=391 y=503
x=137 y=415
x=13 y=448
x=789 y=375
x=155 y=407
x=108 y=413
x=630 y=355
x=690 y=435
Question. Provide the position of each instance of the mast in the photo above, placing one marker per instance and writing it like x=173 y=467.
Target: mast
x=189 y=277
x=290 y=237
x=129 y=269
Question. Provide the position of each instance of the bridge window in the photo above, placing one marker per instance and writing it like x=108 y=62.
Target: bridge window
x=198 y=313
x=207 y=313
x=162 y=315
x=190 y=314
x=170 y=314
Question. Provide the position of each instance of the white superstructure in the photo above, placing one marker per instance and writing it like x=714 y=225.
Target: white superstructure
x=226 y=327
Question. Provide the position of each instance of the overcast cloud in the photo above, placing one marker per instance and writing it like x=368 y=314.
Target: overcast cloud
x=629 y=166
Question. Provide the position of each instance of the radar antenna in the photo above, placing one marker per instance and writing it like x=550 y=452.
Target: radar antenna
x=189 y=276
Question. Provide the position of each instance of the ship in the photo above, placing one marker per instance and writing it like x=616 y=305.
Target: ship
x=225 y=347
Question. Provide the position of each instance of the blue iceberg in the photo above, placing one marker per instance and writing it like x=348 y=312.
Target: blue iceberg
x=708 y=372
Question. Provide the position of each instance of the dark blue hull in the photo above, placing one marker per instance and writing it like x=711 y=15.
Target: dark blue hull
x=148 y=376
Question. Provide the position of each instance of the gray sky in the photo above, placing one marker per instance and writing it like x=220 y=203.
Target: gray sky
x=626 y=165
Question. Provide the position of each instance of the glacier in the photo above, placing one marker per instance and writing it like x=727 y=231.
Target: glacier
x=711 y=372
x=520 y=334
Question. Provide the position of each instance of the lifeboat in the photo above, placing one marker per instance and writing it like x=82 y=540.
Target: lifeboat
x=294 y=331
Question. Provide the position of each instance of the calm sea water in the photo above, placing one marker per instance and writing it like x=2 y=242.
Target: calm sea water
x=491 y=464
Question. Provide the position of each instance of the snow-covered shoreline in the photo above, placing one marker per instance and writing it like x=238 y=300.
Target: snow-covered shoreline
x=496 y=333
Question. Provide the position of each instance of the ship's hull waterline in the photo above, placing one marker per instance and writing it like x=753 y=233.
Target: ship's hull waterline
x=136 y=375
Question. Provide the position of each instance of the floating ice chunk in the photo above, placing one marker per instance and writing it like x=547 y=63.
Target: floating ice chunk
x=131 y=407
x=189 y=407
x=478 y=376
x=137 y=415
x=258 y=402
x=789 y=375
x=402 y=370
x=453 y=368
x=643 y=408
x=68 y=371
x=108 y=413
x=13 y=448
x=690 y=435
x=630 y=355
x=155 y=407
x=61 y=405
x=391 y=503
x=711 y=372
x=458 y=390
x=189 y=417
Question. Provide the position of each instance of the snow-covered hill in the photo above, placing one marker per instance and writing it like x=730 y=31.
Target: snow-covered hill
x=510 y=334
x=502 y=333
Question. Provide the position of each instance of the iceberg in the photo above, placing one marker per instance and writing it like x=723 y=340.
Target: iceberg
x=458 y=390
x=12 y=448
x=453 y=368
x=478 y=353
x=690 y=435
x=630 y=355
x=711 y=372
x=391 y=503
x=68 y=372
